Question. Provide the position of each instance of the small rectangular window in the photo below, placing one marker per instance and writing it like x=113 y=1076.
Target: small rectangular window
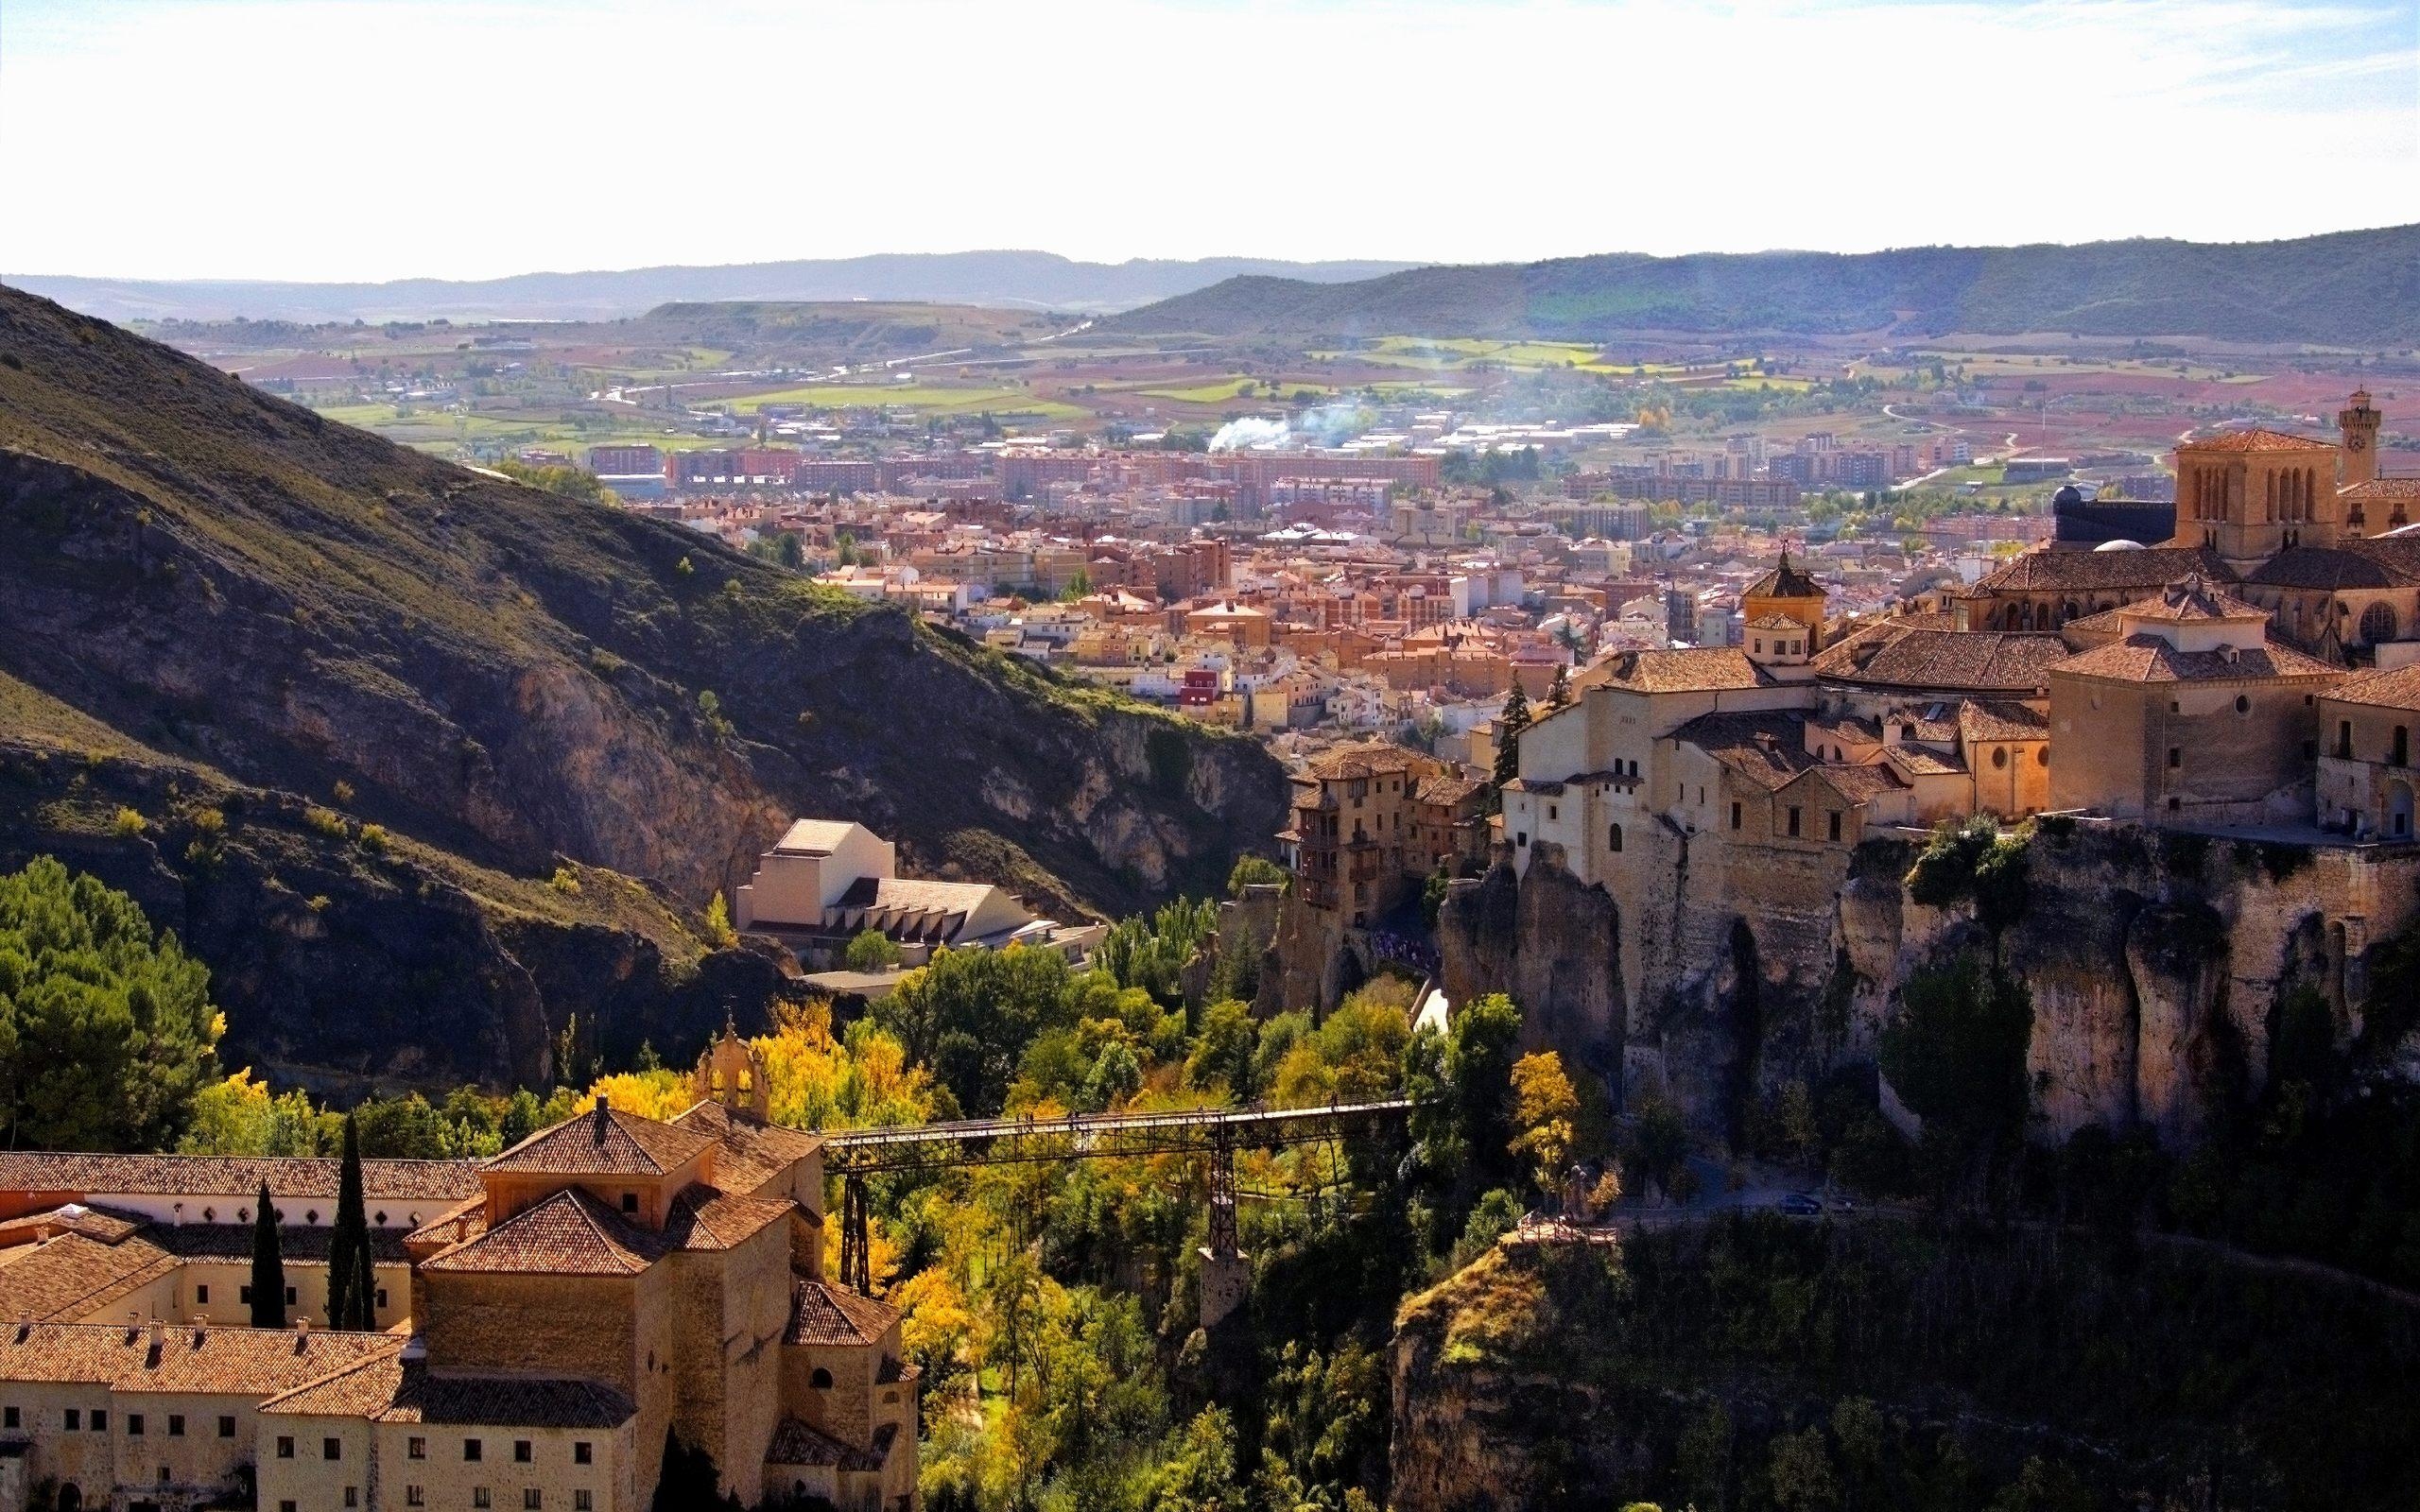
x=531 y=1500
x=479 y=1496
x=202 y=1295
x=2175 y=757
x=581 y=1452
x=244 y=1294
x=470 y=1451
x=332 y=1448
x=226 y=1425
x=1793 y=821
x=73 y=1419
x=289 y=1296
x=1833 y=820
x=1734 y=816
x=176 y=1425
x=580 y=1501
x=134 y=1425
x=100 y=1420
x=416 y=1449
x=286 y=1506
x=12 y=1418
x=521 y=1451
x=353 y=1496
x=412 y=1497
x=285 y=1446
x=382 y=1297
x=630 y=1202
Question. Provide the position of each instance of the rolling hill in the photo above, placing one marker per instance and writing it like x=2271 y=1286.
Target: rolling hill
x=2354 y=288
x=1010 y=279
x=214 y=602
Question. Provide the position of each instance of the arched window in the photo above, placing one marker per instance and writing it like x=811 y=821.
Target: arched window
x=822 y=1379
x=2242 y=704
x=1614 y=838
x=2377 y=623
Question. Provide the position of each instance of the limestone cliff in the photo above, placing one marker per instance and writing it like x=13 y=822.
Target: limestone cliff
x=2157 y=963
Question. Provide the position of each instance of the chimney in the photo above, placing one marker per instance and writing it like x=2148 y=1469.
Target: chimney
x=157 y=1334
x=302 y=1323
x=604 y=1117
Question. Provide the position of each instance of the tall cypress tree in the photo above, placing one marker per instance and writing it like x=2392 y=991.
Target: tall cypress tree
x=268 y=1267
x=351 y=1296
x=1509 y=726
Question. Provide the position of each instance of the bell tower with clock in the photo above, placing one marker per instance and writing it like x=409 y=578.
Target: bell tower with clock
x=2360 y=424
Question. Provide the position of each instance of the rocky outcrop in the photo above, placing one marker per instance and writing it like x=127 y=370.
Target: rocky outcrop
x=2156 y=963
x=1549 y=941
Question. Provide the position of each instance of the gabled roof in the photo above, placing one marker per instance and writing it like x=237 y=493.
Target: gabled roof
x=752 y=1153
x=570 y=1234
x=1768 y=750
x=2396 y=689
x=814 y=837
x=1948 y=660
x=704 y=1218
x=604 y=1141
x=229 y=1175
x=2190 y=599
x=2000 y=720
x=388 y=1389
x=798 y=1443
x=823 y=1314
x=2351 y=565
x=2256 y=438
x=2150 y=570
x=189 y=1358
x=2151 y=659
x=1700 y=669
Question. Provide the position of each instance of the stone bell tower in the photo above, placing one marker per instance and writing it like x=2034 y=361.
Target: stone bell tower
x=731 y=1073
x=2358 y=421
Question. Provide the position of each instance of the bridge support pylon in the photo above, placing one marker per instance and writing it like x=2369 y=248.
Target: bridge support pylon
x=1226 y=1270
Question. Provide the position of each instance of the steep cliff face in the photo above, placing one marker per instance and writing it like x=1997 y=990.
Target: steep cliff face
x=1755 y=1363
x=2156 y=963
x=215 y=582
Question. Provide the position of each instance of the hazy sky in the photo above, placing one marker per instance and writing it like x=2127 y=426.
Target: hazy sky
x=372 y=139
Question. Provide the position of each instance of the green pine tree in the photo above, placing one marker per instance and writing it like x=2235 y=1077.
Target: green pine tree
x=1559 y=691
x=351 y=1292
x=268 y=1267
x=1509 y=726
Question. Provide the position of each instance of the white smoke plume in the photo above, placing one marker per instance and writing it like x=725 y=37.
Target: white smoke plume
x=1248 y=433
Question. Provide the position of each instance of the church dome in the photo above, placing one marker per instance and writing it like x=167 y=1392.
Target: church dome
x=2067 y=497
x=2119 y=545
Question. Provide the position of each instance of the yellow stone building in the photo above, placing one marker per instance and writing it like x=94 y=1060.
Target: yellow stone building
x=599 y=1291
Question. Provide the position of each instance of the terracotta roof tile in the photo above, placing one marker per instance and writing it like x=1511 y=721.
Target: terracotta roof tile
x=2351 y=565
x=570 y=1234
x=703 y=1217
x=2255 y=439
x=1783 y=581
x=229 y=1175
x=1948 y=660
x=392 y=1389
x=823 y=1314
x=798 y=1443
x=2398 y=688
x=752 y=1154
x=1766 y=749
x=2149 y=570
x=604 y=1141
x=205 y=1360
x=2151 y=659
x=1699 y=669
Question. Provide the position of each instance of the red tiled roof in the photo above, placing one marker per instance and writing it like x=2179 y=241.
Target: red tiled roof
x=570 y=1234
x=2253 y=438
x=753 y=1153
x=2151 y=659
x=229 y=1175
x=823 y=1314
x=1949 y=660
x=604 y=1141
x=2396 y=689
x=390 y=1389
x=189 y=1358
x=1696 y=669
x=799 y=1443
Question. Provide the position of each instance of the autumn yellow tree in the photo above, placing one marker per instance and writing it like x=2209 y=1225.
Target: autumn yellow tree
x=1544 y=1108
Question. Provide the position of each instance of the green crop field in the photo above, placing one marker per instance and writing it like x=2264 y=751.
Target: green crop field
x=930 y=397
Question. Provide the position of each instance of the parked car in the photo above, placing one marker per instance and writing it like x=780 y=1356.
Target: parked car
x=1799 y=1205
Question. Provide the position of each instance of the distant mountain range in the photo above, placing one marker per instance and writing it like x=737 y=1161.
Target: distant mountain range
x=2356 y=288
x=1014 y=279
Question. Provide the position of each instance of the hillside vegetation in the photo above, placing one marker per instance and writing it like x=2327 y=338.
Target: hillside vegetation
x=205 y=591
x=2353 y=289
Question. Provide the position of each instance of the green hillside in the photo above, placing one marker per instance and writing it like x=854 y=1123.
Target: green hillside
x=197 y=578
x=2353 y=289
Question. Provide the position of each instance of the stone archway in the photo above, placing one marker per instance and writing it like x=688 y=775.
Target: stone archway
x=2398 y=810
